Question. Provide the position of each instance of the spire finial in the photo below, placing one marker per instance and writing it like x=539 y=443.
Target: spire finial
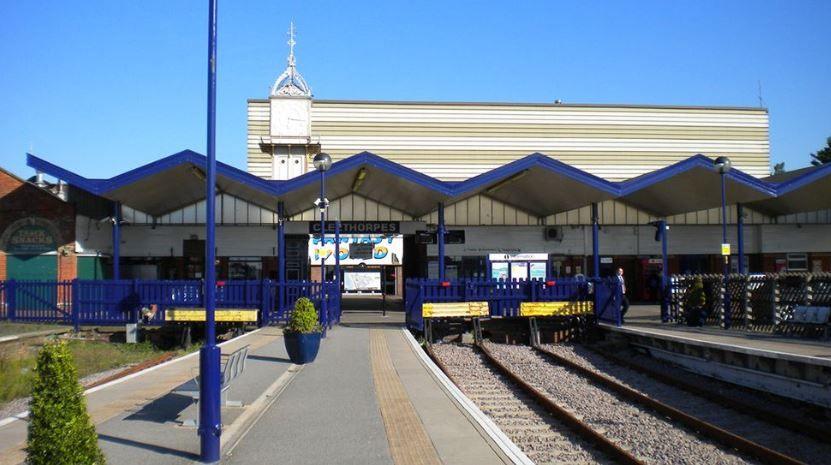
x=291 y=83
x=291 y=43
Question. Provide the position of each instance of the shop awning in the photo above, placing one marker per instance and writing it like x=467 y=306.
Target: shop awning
x=540 y=185
x=803 y=190
x=691 y=185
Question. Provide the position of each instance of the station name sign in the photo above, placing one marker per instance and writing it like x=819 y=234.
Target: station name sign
x=358 y=227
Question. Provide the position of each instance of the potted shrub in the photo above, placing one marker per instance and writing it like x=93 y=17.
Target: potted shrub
x=695 y=303
x=302 y=334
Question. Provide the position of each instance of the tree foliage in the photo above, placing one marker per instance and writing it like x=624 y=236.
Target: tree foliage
x=822 y=156
x=304 y=318
x=61 y=431
x=779 y=168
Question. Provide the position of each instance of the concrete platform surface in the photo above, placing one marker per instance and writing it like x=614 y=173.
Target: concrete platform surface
x=646 y=319
x=367 y=399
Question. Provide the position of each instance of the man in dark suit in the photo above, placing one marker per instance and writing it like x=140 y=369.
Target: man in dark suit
x=624 y=304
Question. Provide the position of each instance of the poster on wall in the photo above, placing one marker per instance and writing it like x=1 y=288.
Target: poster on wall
x=361 y=281
x=386 y=249
x=499 y=270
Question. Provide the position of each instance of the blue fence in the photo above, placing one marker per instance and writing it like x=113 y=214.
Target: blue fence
x=504 y=297
x=87 y=302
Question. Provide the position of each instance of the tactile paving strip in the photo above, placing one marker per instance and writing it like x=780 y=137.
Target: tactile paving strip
x=408 y=441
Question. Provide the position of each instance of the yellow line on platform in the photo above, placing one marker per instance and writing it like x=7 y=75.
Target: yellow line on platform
x=408 y=441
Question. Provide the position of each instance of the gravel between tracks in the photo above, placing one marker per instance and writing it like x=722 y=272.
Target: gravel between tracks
x=782 y=440
x=543 y=439
x=649 y=437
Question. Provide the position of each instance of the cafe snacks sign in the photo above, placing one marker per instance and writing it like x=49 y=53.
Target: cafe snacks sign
x=30 y=236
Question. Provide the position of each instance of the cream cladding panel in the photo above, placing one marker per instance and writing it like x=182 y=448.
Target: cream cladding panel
x=614 y=142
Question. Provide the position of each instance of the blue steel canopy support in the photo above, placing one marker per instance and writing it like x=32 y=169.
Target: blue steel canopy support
x=337 y=253
x=664 y=232
x=740 y=238
x=281 y=257
x=726 y=266
x=595 y=241
x=324 y=307
x=116 y=240
x=440 y=240
x=210 y=422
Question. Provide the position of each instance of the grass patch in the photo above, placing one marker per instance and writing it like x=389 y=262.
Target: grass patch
x=10 y=329
x=17 y=369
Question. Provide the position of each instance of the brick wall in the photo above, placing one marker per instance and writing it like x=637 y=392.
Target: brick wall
x=20 y=199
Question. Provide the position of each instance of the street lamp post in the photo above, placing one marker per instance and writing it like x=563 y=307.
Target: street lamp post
x=723 y=166
x=322 y=161
x=210 y=422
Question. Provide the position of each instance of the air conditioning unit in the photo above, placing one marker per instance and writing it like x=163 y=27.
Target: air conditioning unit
x=553 y=233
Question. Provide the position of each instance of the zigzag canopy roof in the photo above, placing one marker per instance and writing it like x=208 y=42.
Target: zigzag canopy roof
x=537 y=184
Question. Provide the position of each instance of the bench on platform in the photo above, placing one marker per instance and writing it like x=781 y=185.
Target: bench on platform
x=231 y=370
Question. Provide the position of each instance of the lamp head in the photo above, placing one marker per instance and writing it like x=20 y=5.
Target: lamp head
x=722 y=165
x=322 y=161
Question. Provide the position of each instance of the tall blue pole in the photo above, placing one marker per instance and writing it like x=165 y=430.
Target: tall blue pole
x=595 y=241
x=210 y=422
x=281 y=257
x=117 y=240
x=440 y=240
x=324 y=307
x=740 y=239
x=726 y=266
x=337 y=264
x=662 y=225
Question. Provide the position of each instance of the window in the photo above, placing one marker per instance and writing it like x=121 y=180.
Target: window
x=245 y=268
x=797 y=262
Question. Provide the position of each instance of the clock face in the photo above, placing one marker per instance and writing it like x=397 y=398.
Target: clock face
x=292 y=118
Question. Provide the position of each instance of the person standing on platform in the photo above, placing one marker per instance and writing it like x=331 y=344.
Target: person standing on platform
x=624 y=303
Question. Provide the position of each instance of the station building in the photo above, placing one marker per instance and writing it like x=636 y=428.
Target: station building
x=517 y=183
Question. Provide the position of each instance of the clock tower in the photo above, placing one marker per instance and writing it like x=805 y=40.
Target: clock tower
x=290 y=141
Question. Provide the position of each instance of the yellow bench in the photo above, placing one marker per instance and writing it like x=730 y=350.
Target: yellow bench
x=225 y=315
x=534 y=309
x=473 y=310
x=455 y=310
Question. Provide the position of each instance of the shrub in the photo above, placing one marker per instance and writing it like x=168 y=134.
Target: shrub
x=60 y=429
x=304 y=318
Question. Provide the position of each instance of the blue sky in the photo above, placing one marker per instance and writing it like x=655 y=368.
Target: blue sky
x=102 y=87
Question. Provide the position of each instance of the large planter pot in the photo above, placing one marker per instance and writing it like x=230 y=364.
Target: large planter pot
x=302 y=348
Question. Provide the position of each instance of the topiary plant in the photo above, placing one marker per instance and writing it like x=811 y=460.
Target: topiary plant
x=304 y=318
x=60 y=429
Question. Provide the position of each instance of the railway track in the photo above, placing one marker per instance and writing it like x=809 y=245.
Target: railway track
x=789 y=436
x=597 y=411
x=543 y=437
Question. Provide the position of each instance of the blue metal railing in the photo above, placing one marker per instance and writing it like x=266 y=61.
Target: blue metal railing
x=116 y=302
x=504 y=297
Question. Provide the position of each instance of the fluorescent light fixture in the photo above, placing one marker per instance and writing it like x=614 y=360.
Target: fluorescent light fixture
x=359 y=179
x=502 y=183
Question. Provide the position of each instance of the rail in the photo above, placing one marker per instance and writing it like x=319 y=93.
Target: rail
x=116 y=302
x=756 y=302
x=505 y=297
